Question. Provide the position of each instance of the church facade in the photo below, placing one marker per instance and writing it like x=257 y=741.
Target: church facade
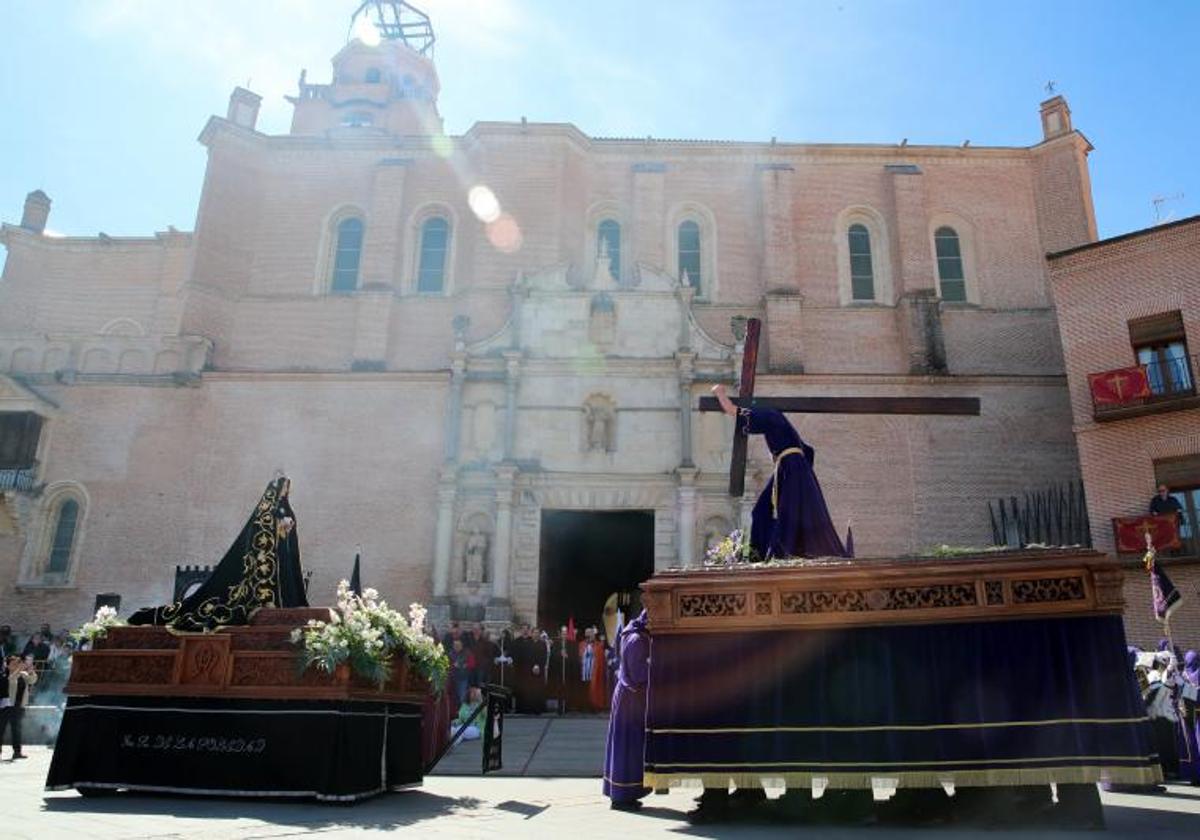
x=448 y=341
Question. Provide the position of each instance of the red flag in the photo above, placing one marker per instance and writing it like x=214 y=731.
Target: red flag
x=1130 y=532
x=1119 y=387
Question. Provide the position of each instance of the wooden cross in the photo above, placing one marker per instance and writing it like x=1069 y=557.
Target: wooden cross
x=968 y=406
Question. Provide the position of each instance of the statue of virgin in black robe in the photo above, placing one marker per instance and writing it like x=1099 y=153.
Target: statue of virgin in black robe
x=790 y=518
x=261 y=569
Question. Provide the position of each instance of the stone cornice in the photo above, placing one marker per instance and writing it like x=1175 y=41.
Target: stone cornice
x=14 y=234
x=437 y=376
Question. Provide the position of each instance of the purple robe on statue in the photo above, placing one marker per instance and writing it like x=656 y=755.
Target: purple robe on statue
x=625 y=749
x=792 y=521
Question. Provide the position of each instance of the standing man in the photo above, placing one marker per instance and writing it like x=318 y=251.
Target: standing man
x=21 y=676
x=1164 y=502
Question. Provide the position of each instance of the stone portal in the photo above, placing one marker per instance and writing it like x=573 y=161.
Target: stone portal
x=585 y=557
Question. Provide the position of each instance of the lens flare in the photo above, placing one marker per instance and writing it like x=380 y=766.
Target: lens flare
x=483 y=204
x=443 y=146
x=366 y=32
x=505 y=234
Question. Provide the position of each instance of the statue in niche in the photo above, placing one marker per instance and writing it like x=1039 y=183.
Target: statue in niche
x=475 y=552
x=599 y=420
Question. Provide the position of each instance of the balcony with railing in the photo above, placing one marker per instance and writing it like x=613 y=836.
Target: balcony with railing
x=1161 y=385
x=21 y=480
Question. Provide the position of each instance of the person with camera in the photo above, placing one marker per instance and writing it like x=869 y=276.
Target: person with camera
x=21 y=677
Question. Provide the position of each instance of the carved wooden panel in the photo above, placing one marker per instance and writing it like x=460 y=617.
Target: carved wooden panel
x=710 y=604
x=993 y=592
x=122 y=667
x=203 y=660
x=763 y=603
x=1048 y=590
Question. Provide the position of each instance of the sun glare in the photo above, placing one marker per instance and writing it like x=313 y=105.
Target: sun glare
x=366 y=32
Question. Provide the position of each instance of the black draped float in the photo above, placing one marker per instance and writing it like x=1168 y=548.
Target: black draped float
x=975 y=703
x=338 y=751
x=260 y=569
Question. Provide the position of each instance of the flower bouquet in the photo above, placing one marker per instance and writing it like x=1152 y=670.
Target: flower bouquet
x=734 y=548
x=365 y=634
x=97 y=628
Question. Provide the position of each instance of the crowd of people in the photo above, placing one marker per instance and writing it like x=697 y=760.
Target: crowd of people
x=39 y=664
x=1170 y=684
x=569 y=671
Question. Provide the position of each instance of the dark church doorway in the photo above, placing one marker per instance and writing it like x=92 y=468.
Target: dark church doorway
x=586 y=556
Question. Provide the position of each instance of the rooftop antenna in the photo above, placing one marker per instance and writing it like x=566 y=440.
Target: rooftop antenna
x=1051 y=86
x=397 y=21
x=1158 y=201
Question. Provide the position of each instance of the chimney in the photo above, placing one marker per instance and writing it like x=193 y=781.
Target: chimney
x=1056 y=118
x=243 y=108
x=36 y=212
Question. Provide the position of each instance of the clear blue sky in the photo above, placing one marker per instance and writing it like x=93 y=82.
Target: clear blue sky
x=101 y=100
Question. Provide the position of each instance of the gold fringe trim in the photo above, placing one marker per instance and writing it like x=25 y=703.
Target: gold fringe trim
x=916 y=779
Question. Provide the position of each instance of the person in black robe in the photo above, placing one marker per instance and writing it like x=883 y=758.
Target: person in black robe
x=790 y=518
x=261 y=569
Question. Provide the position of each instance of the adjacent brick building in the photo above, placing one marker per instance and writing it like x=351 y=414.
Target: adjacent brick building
x=445 y=341
x=1126 y=303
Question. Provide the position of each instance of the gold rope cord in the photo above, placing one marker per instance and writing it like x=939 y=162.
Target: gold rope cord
x=791 y=450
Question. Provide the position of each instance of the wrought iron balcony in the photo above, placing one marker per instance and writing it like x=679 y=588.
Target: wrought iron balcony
x=22 y=480
x=1151 y=388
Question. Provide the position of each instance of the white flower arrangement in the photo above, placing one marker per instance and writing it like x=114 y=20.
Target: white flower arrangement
x=367 y=634
x=97 y=628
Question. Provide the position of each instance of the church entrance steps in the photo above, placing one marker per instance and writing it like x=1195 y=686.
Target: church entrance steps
x=538 y=746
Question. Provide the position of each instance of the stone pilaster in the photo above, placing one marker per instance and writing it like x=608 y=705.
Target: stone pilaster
x=512 y=371
x=649 y=214
x=384 y=224
x=443 y=536
x=687 y=515
x=372 y=322
x=458 y=371
x=499 y=608
x=687 y=375
x=920 y=315
x=785 y=331
x=910 y=220
x=778 y=261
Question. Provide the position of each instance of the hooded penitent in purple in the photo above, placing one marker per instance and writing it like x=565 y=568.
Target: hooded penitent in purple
x=1189 y=724
x=790 y=518
x=624 y=753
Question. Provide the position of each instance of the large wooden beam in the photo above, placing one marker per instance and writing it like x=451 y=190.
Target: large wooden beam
x=961 y=406
x=737 y=462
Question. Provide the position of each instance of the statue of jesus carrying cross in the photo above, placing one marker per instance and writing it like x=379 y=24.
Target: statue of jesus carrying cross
x=790 y=518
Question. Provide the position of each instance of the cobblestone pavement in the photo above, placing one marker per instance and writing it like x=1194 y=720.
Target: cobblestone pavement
x=461 y=807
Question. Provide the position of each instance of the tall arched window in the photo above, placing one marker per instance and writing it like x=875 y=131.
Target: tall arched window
x=862 y=273
x=689 y=253
x=951 y=278
x=346 y=255
x=431 y=266
x=608 y=240
x=59 y=561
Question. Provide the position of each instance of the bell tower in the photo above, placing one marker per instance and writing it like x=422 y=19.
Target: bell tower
x=384 y=79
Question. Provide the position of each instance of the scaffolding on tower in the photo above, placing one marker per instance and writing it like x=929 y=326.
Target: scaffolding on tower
x=396 y=20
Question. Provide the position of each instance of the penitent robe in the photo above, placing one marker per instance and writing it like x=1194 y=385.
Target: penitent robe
x=792 y=521
x=625 y=747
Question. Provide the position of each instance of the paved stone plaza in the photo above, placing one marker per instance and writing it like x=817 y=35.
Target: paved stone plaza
x=464 y=806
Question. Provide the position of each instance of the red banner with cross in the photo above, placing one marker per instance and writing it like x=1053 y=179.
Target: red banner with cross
x=1130 y=532
x=1121 y=386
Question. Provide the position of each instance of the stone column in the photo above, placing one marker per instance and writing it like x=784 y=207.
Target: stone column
x=458 y=375
x=499 y=608
x=512 y=370
x=687 y=375
x=687 y=515
x=446 y=492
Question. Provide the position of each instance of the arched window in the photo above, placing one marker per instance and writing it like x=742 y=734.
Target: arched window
x=688 y=250
x=357 y=119
x=951 y=277
x=59 y=561
x=373 y=76
x=608 y=240
x=431 y=266
x=862 y=273
x=346 y=256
